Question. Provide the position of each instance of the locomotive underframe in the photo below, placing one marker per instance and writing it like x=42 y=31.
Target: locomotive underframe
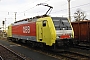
x=63 y=42
x=66 y=42
x=59 y=43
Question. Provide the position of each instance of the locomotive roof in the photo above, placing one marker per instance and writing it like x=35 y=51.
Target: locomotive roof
x=31 y=19
x=59 y=17
x=22 y=20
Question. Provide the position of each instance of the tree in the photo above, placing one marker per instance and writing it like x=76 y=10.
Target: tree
x=79 y=15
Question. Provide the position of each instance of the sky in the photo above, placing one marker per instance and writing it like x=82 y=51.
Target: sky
x=28 y=9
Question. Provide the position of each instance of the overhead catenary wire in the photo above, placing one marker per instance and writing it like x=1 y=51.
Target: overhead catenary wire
x=24 y=12
x=47 y=1
x=73 y=16
x=52 y=12
x=33 y=6
x=72 y=7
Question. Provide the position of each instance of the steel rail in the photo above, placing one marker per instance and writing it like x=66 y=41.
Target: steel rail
x=1 y=58
x=23 y=58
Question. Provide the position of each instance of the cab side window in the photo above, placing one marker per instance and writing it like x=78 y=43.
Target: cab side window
x=44 y=23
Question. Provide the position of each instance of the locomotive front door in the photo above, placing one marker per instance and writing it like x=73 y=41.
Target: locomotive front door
x=39 y=30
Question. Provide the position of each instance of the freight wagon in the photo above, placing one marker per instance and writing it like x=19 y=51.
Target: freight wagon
x=82 y=30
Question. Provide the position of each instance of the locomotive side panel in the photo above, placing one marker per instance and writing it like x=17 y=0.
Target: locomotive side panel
x=25 y=31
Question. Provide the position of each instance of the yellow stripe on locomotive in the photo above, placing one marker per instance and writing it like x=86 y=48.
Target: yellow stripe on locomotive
x=72 y=29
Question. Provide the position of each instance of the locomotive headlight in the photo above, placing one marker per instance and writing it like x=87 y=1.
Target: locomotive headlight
x=57 y=37
x=71 y=35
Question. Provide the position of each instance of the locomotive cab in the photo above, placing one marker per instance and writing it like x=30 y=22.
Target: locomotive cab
x=45 y=31
x=54 y=31
x=64 y=31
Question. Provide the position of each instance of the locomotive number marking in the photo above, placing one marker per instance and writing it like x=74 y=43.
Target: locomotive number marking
x=26 y=29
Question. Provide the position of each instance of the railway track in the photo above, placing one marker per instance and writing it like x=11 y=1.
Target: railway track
x=1 y=58
x=72 y=55
x=68 y=54
x=64 y=54
x=82 y=46
x=7 y=54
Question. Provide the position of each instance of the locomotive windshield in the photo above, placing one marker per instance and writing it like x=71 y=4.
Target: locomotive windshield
x=61 y=23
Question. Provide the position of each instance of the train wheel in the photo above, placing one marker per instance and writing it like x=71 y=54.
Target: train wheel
x=41 y=45
x=54 y=47
x=32 y=44
x=13 y=39
x=9 y=39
